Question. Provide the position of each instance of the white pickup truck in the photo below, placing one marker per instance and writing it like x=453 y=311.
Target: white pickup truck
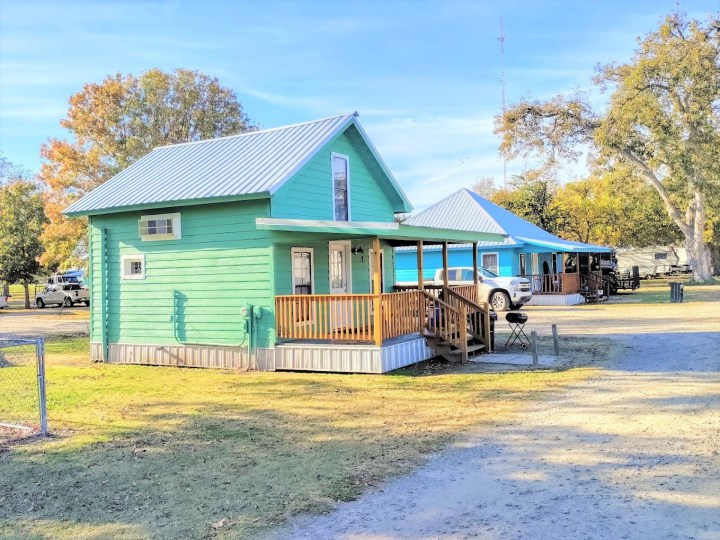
x=63 y=294
x=503 y=293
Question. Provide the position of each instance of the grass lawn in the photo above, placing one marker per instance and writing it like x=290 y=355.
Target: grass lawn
x=144 y=452
x=657 y=291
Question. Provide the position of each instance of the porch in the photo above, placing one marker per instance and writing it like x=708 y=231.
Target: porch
x=375 y=333
x=581 y=281
x=380 y=330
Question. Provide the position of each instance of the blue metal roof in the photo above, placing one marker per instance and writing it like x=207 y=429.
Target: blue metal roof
x=468 y=211
x=257 y=162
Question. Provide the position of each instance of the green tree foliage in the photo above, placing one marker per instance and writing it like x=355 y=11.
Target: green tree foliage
x=613 y=209
x=530 y=196
x=663 y=120
x=115 y=123
x=21 y=223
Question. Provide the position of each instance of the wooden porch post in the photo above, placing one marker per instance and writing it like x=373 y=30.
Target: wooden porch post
x=421 y=288
x=377 y=311
x=476 y=280
x=445 y=263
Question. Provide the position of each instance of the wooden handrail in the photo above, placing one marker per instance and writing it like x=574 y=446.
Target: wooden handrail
x=446 y=322
x=556 y=283
x=347 y=317
x=478 y=317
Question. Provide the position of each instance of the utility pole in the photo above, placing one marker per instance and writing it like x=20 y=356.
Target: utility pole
x=501 y=39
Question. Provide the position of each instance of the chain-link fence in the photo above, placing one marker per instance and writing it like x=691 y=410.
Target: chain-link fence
x=22 y=389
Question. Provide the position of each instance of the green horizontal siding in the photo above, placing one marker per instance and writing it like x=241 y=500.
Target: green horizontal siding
x=194 y=287
x=321 y=285
x=308 y=194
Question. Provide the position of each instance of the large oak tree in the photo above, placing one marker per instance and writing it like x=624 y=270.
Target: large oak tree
x=115 y=123
x=662 y=119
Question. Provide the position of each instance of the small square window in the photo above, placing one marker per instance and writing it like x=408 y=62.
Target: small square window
x=133 y=267
x=159 y=227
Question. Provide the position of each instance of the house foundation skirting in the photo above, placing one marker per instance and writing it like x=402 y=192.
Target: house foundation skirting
x=351 y=358
x=556 y=300
x=331 y=357
x=207 y=356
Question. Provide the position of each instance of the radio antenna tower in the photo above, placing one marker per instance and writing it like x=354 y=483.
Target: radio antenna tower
x=501 y=39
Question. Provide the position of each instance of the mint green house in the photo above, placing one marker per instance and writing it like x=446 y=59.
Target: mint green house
x=266 y=250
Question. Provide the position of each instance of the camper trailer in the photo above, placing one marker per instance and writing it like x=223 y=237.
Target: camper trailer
x=653 y=261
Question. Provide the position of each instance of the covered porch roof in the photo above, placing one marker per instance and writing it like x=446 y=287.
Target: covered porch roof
x=396 y=234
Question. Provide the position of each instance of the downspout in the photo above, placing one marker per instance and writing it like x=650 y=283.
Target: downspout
x=103 y=293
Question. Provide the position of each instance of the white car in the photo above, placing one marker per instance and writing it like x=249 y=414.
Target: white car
x=503 y=293
x=3 y=301
x=62 y=295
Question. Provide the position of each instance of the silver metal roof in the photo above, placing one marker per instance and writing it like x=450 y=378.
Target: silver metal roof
x=468 y=211
x=249 y=163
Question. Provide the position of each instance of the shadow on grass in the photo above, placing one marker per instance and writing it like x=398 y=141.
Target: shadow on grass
x=247 y=457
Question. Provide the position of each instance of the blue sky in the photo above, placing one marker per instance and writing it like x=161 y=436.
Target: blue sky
x=424 y=75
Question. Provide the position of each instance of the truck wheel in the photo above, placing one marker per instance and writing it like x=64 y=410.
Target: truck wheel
x=500 y=301
x=67 y=302
x=39 y=303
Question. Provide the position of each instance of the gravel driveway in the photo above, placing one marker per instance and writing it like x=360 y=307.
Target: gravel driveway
x=34 y=323
x=632 y=453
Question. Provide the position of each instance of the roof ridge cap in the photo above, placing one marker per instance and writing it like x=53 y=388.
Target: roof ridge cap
x=257 y=132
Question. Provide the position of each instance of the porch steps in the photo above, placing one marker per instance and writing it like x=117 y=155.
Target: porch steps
x=452 y=354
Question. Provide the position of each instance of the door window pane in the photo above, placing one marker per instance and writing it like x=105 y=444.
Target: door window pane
x=302 y=272
x=337 y=268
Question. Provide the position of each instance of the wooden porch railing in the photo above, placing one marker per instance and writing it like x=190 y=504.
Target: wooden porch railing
x=446 y=313
x=554 y=283
x=345 y=317
x=446 y=322
x=399 y=313
x=478 y=314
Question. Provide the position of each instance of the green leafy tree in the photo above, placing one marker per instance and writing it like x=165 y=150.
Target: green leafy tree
x=115 y=123
x=21 y=222
x=662 y=120
x=613 y=208
x=530 y=196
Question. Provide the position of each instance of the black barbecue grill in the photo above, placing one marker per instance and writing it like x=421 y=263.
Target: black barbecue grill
x=517 y=321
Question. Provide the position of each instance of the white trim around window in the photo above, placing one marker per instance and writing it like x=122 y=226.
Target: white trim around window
x=334 y=155
x=132 y=267
x=496 y=269
x=293 y=251
x=155 y=227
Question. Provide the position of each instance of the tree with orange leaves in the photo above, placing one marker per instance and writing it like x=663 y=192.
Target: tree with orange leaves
x=115 y=123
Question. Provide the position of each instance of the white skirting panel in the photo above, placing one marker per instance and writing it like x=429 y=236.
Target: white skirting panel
x=556 y=300
x=96 y=352
x=181 y=355
x=405 y=354
x=350 y=358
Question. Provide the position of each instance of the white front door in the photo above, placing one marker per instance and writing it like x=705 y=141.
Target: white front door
x=340 y=282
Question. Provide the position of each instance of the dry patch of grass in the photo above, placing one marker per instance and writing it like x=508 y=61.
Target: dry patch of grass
x=180 y=453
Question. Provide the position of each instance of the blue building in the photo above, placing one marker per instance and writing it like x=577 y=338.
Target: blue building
x=555 y=267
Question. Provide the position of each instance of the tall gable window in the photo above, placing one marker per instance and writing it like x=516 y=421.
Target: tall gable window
x=341 y=187
x=159 y=227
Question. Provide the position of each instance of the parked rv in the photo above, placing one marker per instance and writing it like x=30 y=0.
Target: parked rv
x=653 y=261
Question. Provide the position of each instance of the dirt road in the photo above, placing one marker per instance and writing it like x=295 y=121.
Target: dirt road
x=43 y=323
x=633 y=453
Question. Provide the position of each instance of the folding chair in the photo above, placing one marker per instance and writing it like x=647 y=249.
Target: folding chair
x=517 y=321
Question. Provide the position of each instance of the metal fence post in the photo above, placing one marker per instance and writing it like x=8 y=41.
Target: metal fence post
x=40 y=354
